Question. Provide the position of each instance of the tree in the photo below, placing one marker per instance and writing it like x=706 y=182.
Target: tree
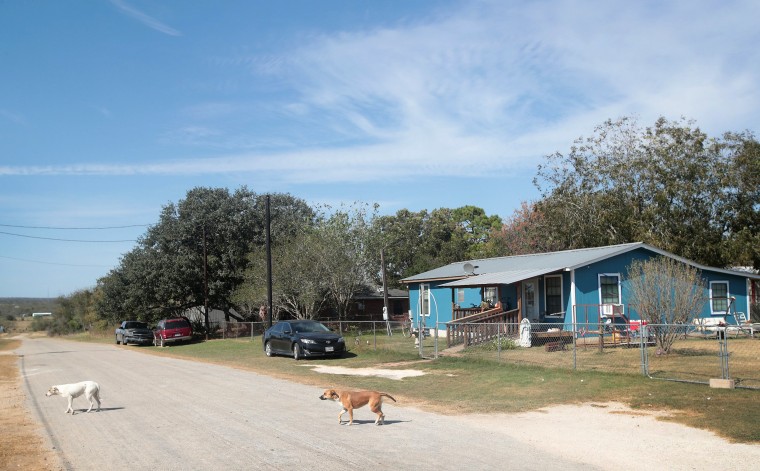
x=665 y=293
x=345 y=264
x=741 y=209
x=522 y=233
x=298 y=284
x=196 y=254
x=477 y=228
x=661 y=185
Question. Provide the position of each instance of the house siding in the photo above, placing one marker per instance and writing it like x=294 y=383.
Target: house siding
x=580 y=290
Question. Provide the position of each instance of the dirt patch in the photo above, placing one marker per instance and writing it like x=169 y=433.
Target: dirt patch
x=380 y=372
x=21 y=443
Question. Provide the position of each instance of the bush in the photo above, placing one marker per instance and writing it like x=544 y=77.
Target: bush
x=10 y=317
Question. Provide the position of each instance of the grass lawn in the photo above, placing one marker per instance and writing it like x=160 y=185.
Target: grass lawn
x=458 y=384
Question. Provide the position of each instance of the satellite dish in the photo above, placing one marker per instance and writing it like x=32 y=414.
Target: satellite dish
x=469 y=268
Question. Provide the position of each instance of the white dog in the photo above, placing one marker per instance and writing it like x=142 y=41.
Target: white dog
x=90 y=389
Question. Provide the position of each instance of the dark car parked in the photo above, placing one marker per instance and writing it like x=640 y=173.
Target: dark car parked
x=134 y=332
x=168 y=331
x=302 y=338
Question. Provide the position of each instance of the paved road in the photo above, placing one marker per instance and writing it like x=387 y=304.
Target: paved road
x=164 y=413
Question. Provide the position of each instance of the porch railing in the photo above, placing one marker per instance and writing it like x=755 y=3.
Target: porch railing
x=482 y=326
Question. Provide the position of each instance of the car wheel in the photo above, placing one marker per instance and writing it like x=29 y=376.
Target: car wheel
x=117 y=340
x=268 y=349
x=297 y=352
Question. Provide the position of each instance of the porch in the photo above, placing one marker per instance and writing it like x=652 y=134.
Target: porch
x=473 y=326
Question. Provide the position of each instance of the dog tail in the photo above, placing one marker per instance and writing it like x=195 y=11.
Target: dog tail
x=388 y=396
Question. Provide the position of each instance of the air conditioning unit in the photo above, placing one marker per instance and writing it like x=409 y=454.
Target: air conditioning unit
x=612 y=310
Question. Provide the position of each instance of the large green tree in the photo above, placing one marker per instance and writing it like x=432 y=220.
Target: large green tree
x=665 y=185
x=196 y=254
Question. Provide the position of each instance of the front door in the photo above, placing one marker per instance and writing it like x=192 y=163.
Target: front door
x=530 y=299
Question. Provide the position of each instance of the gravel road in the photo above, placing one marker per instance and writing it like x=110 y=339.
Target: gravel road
x=164 y=413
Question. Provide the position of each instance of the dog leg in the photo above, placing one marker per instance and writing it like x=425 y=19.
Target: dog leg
x=351 y=416
x=340 y=416
x=70 y=408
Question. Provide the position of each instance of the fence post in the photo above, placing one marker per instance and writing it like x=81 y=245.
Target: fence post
x=643 y=351
x=575 y=346
x=374 y=334
x=723 y=341
x=498 y=343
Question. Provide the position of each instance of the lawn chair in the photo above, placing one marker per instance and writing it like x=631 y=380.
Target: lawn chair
x=743 y=324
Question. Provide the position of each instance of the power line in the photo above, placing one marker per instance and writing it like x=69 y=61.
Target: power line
x=54 y=263
x=67 y=240
x=75 y=228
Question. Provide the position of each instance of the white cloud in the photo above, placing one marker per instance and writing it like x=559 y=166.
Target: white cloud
x=144 y=19
x=489 y=87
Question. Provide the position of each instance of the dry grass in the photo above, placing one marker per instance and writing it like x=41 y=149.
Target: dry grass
x=21 y=443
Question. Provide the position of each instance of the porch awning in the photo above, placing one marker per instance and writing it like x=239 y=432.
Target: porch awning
x=501 y=278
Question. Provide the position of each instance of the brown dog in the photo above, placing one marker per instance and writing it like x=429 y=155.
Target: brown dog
x=351 y=400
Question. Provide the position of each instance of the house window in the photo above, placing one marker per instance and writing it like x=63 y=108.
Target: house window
x=490 y=294
x=609 y=288
x=553 y=294
x=719 y=297
x=460 y=296
x=425 y=299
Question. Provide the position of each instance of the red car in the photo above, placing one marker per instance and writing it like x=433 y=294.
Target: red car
x=168 y=331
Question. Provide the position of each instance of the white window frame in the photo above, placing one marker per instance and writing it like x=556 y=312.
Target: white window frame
x=460 y=296
x=712 y=299
x=619 y=287
x=561 y=293
x=491 y=294
x=425 y=302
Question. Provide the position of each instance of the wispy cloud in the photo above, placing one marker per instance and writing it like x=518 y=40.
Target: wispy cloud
x=486 y=89
x=144 y=19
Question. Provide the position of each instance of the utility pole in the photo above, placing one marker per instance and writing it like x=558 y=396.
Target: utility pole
x=205 y=282
x=269 y=262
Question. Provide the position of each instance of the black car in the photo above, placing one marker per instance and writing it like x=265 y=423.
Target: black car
x=134 y=332
x=302 y=338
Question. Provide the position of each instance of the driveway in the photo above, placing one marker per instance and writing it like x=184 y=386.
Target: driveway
x=166 y=413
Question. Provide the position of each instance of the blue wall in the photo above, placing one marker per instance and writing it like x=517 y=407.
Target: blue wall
x=586 y=292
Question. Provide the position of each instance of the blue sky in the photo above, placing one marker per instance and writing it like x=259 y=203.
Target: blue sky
x=109 y=110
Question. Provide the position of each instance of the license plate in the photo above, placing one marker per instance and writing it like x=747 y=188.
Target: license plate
x=329 y=349
x=178 y=335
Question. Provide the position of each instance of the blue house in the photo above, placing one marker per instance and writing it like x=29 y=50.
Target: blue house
x=566 y=287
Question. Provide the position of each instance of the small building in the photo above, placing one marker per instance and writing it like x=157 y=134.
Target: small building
x=566 y=287
x=41 y=314
x=369 y=302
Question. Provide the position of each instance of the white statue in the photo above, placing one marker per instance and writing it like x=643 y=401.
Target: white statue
x=525 y=333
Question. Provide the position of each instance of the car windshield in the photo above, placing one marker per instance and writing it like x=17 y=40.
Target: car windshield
x=309 y=327
x=136 y=325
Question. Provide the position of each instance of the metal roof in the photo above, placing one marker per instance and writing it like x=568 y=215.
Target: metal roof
x=506 y=270
x=500 y=278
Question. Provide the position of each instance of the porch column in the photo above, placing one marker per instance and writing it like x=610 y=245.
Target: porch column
x=518 y=287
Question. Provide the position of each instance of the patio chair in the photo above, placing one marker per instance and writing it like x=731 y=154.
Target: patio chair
x=744 y=324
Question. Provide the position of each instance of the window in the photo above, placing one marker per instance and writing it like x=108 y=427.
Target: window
x=719 y=297
x=490 y=294
x=553 y=294
x=460 y=296
x=425 y=299
x=609 y=288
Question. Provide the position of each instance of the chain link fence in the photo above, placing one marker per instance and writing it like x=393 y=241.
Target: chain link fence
x=695 y=354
